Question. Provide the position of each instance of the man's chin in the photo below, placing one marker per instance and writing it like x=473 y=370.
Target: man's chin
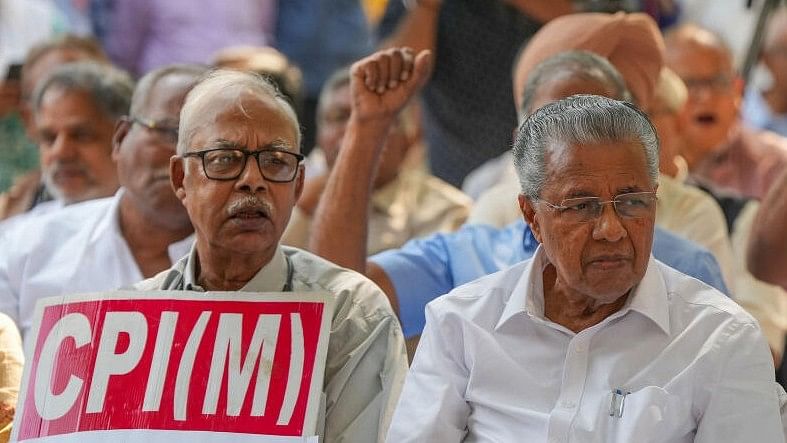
x=610 y=290
x=251 y=242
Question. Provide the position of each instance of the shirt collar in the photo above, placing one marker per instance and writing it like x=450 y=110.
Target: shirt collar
x=528 y=292
x=270 y=278
x=180 y=248
x=110 y=220
x=110 y=223
x=650 y=296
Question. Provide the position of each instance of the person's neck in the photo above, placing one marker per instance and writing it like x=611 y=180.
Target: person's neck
x=149 y=241
x=571 y=309
x=777 y=102
x=223 y=270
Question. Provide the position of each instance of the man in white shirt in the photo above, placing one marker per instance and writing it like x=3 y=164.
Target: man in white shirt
x=592 y=339
x=107 y=243
x=27 y=196
x=239 y=181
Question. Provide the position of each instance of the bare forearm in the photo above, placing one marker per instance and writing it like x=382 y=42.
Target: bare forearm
x=767 y=254
x=380 y=86
x=340 y=225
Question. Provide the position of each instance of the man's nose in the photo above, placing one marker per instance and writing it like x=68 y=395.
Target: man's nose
x=608 y=225
x=63 y=148
x=251 y=179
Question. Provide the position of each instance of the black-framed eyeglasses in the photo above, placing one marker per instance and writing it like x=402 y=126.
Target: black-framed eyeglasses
x=276 y=165
x=586 y=209
x=166 y=133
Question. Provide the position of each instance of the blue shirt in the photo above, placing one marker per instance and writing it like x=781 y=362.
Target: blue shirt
x=424 y=269
x=758 y=114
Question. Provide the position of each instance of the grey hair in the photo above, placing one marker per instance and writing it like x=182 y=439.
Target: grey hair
x=142 y=92
x=339 y=79
x=579 y=119
x=109 y=87
x=219 y=81
x=579 y=64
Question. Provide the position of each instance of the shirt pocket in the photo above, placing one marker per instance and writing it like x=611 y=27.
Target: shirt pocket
x=651 y=414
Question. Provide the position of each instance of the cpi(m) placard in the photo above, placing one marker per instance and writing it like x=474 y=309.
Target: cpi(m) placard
x=174 y=366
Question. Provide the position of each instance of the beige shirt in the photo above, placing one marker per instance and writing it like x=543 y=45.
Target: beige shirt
x=366 y=362
x=412 y=206
x=765 y=302
x=681 y=209
x=11 y=363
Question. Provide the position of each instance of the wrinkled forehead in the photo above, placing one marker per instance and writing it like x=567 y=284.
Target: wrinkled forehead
x=566 y=158
x=697 y=56
x=75 y=102
x=247 y=120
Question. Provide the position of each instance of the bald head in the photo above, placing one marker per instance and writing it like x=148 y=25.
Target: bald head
x=227 y=88
x=691 y=38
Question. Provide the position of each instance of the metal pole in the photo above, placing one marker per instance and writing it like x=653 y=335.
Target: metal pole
x=756 y=40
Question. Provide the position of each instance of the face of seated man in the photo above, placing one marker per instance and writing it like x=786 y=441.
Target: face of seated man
x=706 y=68
x=243 y=218
x=595 y=262
x=144 y=148
x=75 y=141
x=333 y=116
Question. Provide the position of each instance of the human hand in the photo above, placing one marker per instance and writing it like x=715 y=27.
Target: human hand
x=382 y=83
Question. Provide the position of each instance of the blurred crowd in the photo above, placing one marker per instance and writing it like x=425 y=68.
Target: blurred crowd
x=92 y=133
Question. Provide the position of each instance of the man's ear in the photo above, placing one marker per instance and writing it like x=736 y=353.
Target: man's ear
x=738 y=85
x=529 y=213
x=176 y=175
x=299 y=179
x=121 y=131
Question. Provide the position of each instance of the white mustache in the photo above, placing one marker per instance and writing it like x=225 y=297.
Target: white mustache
x=249 y=203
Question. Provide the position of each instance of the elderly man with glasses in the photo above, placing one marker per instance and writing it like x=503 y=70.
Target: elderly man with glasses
x=592 y=339
x=103 y=244
x=729 y=158
x=238 y=173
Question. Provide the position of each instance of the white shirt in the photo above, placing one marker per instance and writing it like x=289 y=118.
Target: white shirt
x=491 y=368
x=79 y=248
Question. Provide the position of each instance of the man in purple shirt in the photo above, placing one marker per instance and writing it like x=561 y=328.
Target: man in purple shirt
x=146 y=34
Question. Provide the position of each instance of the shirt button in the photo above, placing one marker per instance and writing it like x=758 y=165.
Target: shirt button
x=580 y=347
x=569 y=404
